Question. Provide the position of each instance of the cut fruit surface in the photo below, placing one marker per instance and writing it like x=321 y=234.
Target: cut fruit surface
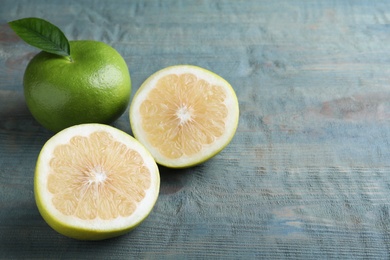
x=184 y=115
x=94 y=181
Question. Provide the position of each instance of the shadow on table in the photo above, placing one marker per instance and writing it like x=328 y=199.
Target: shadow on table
x=28 y=236
x=173 y=180
x=14 y=114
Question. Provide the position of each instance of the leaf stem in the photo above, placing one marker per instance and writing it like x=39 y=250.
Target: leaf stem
x=70 y=58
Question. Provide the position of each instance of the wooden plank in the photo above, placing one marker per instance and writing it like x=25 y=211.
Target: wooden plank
x=306 y=175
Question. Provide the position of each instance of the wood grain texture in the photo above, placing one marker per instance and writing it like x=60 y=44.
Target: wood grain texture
x=307 y=174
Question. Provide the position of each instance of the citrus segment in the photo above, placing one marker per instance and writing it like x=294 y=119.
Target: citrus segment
x=93 y=181
x=184 y=115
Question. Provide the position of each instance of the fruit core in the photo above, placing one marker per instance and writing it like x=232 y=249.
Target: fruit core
x=184 y=114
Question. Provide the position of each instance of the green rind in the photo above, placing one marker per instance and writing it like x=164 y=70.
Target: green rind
x=94 y=88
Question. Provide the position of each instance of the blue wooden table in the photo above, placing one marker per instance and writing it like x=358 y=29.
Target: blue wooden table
x=308 y=172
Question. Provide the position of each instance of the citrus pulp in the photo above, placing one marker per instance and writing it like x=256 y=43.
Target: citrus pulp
x=184 y=115
x=93 y=181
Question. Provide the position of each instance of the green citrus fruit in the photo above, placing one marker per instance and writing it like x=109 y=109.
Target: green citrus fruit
x=93 y=181
x=93 y=87
x=184 y=115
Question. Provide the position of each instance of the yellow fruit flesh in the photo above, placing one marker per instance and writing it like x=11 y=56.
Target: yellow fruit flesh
x=97 y=177
x=182 y=114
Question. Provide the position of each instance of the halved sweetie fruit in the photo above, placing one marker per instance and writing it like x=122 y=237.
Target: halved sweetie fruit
x=93 y=182
x=184 y=115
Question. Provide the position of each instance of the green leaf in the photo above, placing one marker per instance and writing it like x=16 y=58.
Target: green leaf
x=42 y=34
